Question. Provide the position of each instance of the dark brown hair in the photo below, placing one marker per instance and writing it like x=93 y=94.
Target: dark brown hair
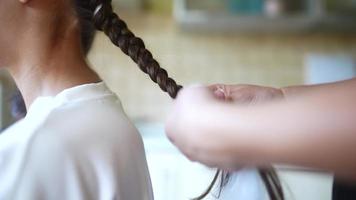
x=269 y=177
x=104 y=19
x=99 y=14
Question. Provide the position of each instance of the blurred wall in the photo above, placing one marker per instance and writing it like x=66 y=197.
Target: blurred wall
x=7 y=90
x=275 y=60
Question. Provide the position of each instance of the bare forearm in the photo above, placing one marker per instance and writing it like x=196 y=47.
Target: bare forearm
x=292 y=92
x=315 y=129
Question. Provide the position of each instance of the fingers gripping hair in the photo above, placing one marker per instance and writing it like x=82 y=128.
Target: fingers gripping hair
x=104 y=19
x=116 y=29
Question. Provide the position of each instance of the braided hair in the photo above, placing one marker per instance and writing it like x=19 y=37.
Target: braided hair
x=99 y=15
x=104 y=19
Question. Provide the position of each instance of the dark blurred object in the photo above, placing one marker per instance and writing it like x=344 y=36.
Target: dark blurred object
x=276 y=8
x=341 y=7
x=343 y=191
x=292 y=6
x=18 y=107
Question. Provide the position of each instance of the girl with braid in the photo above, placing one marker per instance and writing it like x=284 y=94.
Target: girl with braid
x=75 y=141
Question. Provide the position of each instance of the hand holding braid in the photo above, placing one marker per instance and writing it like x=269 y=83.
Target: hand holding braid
x=116 y=29
x=100 y=12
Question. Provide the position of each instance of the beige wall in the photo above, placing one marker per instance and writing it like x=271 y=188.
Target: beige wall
x=275 y=60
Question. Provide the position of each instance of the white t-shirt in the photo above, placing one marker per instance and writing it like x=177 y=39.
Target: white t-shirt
x=77 y=145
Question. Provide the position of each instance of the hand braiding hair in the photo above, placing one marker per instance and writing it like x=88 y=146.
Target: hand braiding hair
x=100 y=13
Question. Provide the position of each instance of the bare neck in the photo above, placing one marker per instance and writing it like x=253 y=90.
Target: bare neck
x=49 y=64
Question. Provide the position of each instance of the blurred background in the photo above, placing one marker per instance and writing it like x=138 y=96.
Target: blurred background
x=269 y=42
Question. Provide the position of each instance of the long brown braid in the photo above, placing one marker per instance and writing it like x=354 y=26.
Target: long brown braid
x=116 y=29
x=100 y=14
